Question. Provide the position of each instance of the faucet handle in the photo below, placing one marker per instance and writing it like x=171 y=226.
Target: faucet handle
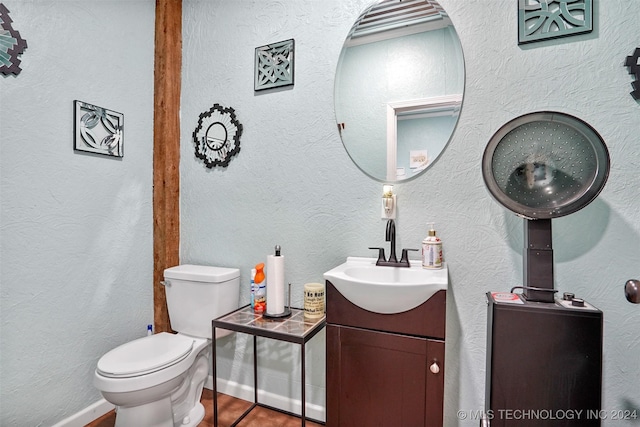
x=381 y=257
x=405 y=256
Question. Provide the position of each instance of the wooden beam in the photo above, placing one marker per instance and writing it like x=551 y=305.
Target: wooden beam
x=166 y=151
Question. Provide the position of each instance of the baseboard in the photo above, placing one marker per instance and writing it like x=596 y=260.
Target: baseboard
x=245 y=392
x=240 y=391
x=88 y=414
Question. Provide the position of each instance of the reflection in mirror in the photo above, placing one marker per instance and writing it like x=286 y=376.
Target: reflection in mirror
x=398 y=88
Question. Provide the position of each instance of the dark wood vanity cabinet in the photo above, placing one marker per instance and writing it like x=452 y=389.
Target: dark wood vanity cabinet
x=385 y=369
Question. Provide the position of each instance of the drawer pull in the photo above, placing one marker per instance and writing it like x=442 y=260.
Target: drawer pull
x=434 y=368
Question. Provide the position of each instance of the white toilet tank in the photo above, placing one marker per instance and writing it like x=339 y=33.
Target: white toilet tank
x=197 y=294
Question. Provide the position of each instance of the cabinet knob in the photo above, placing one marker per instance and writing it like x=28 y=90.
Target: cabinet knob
x=434 y=368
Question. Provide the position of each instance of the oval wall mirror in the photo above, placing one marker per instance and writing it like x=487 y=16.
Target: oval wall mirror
x=398 y=88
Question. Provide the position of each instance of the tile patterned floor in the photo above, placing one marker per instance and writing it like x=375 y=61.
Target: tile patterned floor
x=229 y=409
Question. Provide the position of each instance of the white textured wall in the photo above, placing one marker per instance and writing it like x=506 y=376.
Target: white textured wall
x=293 y=183
x=76 y=229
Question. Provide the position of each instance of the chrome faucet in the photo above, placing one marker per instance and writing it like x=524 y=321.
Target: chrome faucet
x=390 y=236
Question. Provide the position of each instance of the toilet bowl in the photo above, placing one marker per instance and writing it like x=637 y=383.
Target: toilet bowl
x=157 y=381
x=139 y=374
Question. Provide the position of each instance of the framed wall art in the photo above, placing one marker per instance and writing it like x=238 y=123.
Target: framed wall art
x=633 y=63
x=11 y=45
x=217 y=136
x=98 y=130
x=549 y=19
x=274 y=65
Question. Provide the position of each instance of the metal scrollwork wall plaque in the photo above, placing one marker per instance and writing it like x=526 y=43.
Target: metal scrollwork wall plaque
x=548 y=19
x=217 y=136
x=98 y=130
x=274 y=65
x=11 y=44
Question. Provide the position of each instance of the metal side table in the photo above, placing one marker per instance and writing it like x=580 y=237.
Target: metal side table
x=295 y=329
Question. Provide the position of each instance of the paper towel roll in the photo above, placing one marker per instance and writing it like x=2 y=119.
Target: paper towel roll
x=275 y=284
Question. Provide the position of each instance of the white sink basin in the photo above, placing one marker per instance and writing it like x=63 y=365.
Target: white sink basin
x=386 y=290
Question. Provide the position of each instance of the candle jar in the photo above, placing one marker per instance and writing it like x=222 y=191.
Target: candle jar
x=313 y=300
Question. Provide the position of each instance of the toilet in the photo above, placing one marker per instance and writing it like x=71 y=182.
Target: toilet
x=157 y=381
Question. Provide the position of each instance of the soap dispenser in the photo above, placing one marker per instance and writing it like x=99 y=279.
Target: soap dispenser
x=432 y=250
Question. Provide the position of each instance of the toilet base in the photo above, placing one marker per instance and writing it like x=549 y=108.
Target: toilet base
x=157 y=414
x=154 y=414
x=195 y=416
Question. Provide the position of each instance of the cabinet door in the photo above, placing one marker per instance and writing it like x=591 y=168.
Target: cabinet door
x=382 y=379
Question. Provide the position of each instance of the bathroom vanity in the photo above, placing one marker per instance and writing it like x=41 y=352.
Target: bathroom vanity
x=385 y=369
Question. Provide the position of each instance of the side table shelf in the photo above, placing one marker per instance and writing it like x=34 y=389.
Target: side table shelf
x=294 y=329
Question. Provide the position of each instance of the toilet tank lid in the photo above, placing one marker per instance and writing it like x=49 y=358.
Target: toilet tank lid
x=201 y=273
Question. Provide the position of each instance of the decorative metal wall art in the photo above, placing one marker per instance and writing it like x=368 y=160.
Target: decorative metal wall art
x=633 y=62
x=98 y=130
x=547 y=19
x=11 y=45
x=274 y=65
x=217 y=136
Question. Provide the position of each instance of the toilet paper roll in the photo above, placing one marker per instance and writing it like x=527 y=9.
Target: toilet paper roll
x=275 y=284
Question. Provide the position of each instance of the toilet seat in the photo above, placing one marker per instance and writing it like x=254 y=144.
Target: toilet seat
x=145 y=355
